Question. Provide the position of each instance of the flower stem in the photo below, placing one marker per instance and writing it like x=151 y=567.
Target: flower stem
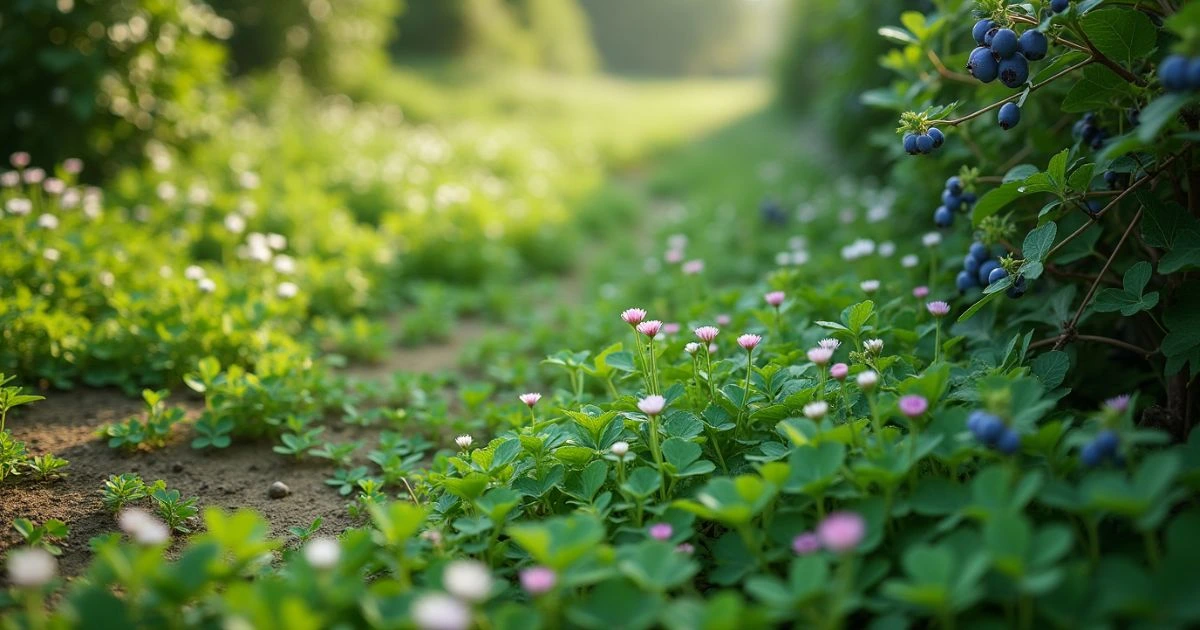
x=937 y=340
x=656 y=452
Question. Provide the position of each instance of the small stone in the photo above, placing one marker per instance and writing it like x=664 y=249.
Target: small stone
x=177 y=467
x=254 y=467
x=278 y=490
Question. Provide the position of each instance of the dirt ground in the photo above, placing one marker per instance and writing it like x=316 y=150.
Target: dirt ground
x=65 y=424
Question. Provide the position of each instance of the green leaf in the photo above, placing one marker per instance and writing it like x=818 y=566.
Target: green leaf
x=1039 y=241
x=995 y=199
x=1096 y=89
x=1057 y=169
x=643 y=482
x=1124 y=35
x=1130 y=300
x=1051 y=368
x=616 y=604
x=656 y=566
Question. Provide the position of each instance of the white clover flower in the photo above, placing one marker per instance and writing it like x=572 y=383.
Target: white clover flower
x=166 y=191
x=816 y=410
x=70 y=198
x=887 y=248
x=107 y=278
x=51 y=254
x=193 y=272
x=19 y=206
x=910 y=261
x=799 y=258
x=143 y=528
x=206 y=285
x=235 y=223
x=73 y=166
x=468 y=580
x=277 y=242
x=692 y=348
x=284 y=264
x=10 y=179
x=287 y=290
x=31 y=567
x=869 y=286
x=829 y=343
x=48 y=222
x=54 y=186
x=464 y=441
x=931 y=239
x=322 y=553
x=867 y=380
x=619 y=448
x=435 y=611
x=249 y=180
x=34 y=175
x=874 y=346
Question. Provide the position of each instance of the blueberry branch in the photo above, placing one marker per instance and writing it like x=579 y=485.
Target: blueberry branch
x=1096 y=217
x=1109 y=63
x=946 y=72
x=1087 y=299
x=1033 y=88
x=1066 y=43
x=1124 y=345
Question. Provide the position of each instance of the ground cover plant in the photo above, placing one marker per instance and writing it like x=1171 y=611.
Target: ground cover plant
x=738 y=386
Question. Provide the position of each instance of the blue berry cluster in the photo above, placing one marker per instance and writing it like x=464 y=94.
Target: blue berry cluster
x=954 y=199
x=981 y=269
x=1088 y=130
x=1102 y=447
x=1179 y=74
x=1003 y=55
x=991 y=431
x=924 y=143
x=1058 y=6
x=1116 y=180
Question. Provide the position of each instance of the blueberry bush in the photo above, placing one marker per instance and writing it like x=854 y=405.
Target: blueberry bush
x=771 y=393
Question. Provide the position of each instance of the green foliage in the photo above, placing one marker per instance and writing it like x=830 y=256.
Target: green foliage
x=45 y=536
x=122 y=490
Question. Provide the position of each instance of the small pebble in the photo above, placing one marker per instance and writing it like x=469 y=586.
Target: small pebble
x=278 y=490
x=177 y=467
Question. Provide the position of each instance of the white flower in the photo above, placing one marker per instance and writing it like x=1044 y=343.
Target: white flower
x=869 y=286
x=277 y=242
x=887 y=248
x=235 y=223
x=619 y=448
x=51 y=254
x=166 y=191
x=322 y=553
x=692 y=348
x=464 y=441
x=910 y=261
x=874 y=346
x=48 y=222
x=70 y=198
x=284 y=264
x=34 y=176
x=783 y=258
x=435 y=611
x=867 y=380
x=194 y=272
x=107 y=278
x=468 y=580
x=816 y=410
x=287 y=290
x=19 y=206
x=799 y=258
x=829 y=343
x=31 y=567
x=142 y=527
x=10 y=179
x=677 y=241
x=652 y=405
x=54 y=186
x=207 y=285
x=931 y=239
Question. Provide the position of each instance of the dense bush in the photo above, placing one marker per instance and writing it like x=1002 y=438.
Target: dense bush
x=98 y=78
x=337 y=44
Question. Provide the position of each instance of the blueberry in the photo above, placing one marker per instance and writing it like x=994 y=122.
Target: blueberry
x=971 y=264
x=979 y=251
x=964 y=281
x=1098 y=141
x=1018 y=288
x=1173 y=72
x=1089 y=118
x=969 y=198
x=981 y=28
x=1089 y=132
x=990 y=35
x=772 y=212
x=1193 y=74
x=1093 y=207
x=1009 y=442
x=943 y=217
x=951 y=200
x=939 y=138
x=1107 y=441
x=975 y=420
x=924 y=143
x=910 y=143
x=1009 y=116
x=982 y=65
x=985 y=270
x=1014 y=71
x=991 y=428
x=1033 y=45
x=954 y=185
x=1004 y=43
x=1115 y=180
x=1091 y=455
x=997 y=275
x=1058 y=6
